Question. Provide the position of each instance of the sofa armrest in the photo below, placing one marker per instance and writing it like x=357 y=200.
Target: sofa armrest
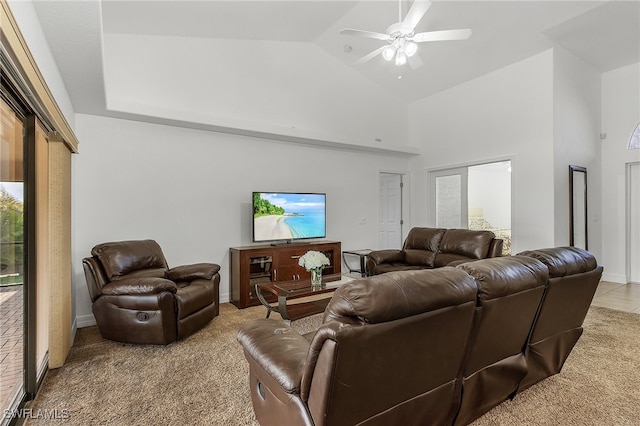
x=280 y=350
x=496 y=248
x=386 y=256
x=202 y=271
x=138 y=286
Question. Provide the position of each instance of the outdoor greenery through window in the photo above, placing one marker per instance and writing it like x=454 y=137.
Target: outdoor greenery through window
x=11 y=234
x=12 y=256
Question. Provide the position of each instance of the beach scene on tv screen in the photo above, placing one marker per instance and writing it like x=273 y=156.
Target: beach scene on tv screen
x=279 y=216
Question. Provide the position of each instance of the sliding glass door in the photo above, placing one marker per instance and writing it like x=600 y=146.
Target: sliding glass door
x=474 y=197
x=24 y=253
x=12 y=255
x=449 y=189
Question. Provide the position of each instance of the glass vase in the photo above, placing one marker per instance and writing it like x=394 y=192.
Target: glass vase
x=316 y=277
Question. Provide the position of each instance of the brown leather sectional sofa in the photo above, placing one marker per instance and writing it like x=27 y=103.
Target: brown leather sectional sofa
x=430 y=347
x=427 y=248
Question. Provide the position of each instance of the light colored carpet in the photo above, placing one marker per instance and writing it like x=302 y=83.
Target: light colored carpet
x=203 y=380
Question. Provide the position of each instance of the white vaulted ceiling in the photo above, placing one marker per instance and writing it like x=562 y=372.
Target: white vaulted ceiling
x=226 y=62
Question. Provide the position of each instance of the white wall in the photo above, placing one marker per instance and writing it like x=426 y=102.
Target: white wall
x=507 y=113
x=191 y=191
x=274 y=86
x=576 y=123
x=620 y=115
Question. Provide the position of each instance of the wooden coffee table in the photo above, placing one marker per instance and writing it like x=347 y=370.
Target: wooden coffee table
x=287 y=291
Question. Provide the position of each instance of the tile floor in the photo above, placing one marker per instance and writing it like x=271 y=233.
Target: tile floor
x=621 y=297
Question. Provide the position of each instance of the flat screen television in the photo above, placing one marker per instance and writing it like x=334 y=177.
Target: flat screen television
x=288 y=216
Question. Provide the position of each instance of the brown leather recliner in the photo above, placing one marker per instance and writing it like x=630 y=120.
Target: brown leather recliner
x=138 y=299
x=574 y=275
x=510 y=290
x=427 y=248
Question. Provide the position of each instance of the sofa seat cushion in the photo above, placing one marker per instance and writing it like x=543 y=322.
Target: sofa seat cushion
x=392 y=267
x=191 y=297
x=450 y=259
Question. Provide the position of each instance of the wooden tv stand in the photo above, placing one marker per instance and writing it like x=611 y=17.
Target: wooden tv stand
x=251 y=265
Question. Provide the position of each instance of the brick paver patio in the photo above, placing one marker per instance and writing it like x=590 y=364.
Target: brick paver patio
x=11 y=334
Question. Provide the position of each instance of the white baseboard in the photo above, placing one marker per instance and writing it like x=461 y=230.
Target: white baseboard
x=614 y=278
x=85 y=321
x=224 y=298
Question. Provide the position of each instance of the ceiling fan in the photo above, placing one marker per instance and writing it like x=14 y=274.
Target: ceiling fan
x=401 y=37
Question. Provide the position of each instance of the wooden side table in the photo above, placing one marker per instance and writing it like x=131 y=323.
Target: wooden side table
x=362 y=254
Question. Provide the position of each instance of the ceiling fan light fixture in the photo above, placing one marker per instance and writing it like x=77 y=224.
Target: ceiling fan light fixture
x=402 y=38
x=389 y=52
x=401 y=58
x=410 y=48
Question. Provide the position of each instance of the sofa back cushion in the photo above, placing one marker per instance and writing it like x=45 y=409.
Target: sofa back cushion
x=124 y=257
x=395 y=295
x=509 y=293
x=387 y=340
x=424 y=239
x=421 y=246
x=463 y=244
x=563 y=261
x=573 y=283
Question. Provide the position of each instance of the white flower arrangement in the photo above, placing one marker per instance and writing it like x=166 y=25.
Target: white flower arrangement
x=313 y=260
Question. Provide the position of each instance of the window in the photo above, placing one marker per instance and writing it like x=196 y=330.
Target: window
x=12 y=254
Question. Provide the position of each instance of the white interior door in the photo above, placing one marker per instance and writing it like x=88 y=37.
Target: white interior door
x=633 y=222
x=390 y=215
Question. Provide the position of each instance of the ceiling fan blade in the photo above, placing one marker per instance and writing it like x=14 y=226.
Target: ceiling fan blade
x=442 y=35
x=415 y=14
x=370 y=56
x=362 y=33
